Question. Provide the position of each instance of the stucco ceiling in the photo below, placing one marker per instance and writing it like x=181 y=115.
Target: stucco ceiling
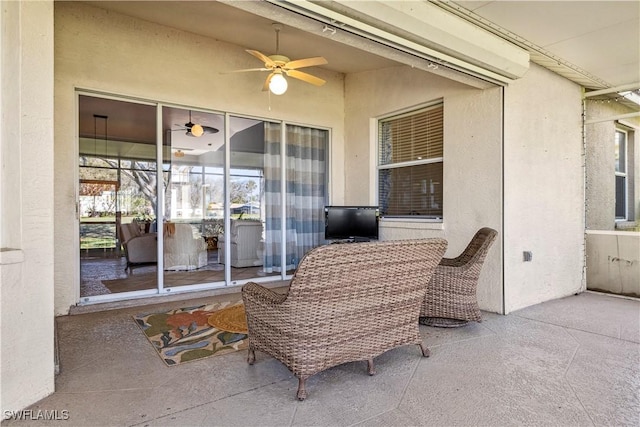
x=226 y=23
x=598 y=38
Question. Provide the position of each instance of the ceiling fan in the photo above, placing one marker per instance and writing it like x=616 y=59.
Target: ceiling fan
x=196 y=130
x=281 y=66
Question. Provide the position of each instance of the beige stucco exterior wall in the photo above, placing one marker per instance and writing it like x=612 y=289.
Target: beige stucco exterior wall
x=117 y=54
x=472 y=159
x=612 y=256
x=543 y=189
x=26 y=214
x=600 y=164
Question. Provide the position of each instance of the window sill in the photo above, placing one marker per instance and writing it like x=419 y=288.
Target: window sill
x=415 y=224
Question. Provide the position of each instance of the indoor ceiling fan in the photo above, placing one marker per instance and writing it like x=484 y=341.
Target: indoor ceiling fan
x=281 y=66
x=196 y=130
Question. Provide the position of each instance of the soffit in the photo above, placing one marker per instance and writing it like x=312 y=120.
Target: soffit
x=594 y=43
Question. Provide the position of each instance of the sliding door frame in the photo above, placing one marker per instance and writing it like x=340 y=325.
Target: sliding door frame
x=160 y=290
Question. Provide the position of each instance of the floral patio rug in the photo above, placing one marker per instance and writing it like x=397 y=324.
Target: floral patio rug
x=186 y=334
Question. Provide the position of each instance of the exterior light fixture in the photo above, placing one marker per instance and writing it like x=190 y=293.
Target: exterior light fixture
x=278 y=84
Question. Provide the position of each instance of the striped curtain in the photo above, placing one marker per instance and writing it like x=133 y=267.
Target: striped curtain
x=305 y=172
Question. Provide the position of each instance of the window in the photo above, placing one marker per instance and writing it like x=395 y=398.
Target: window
x=621 y=174
x=410 y=159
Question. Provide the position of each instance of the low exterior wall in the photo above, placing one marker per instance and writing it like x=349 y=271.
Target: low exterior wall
x=613 y=262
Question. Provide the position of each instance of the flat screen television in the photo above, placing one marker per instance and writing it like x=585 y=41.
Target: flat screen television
x=357 y=223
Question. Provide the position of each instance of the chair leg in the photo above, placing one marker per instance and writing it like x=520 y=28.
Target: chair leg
x=425 y=351
x=302 y=392
x=370 y=369
x=251 y=356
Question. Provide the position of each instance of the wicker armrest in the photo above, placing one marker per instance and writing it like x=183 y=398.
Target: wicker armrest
x=454 y=264
x=452 y=290
x=260 y=294
x=450 y=262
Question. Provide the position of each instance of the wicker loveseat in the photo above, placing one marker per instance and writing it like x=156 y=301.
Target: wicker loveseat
x=346 y=302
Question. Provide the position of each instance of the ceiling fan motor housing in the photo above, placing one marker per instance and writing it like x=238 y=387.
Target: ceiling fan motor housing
x=279 y=60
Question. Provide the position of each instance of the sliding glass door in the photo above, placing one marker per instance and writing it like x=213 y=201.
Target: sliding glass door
x=238 y=199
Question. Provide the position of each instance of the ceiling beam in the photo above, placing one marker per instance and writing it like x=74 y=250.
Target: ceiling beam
x=613 y=118
x=623 y=88
x=385 y=22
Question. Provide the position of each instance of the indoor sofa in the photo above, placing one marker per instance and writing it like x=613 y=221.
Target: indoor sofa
x=184 y=247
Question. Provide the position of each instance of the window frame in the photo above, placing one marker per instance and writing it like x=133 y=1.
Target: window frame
x=622 y=174
x=438 y=103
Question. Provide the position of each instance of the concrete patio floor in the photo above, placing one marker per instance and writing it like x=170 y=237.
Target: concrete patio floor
x=573 y=361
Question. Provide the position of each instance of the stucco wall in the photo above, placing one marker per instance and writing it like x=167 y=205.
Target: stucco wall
x=26 y=214
x=600 y=164
x=113 y=53
x=613 y=262
x=543 y=189
x=472 y=159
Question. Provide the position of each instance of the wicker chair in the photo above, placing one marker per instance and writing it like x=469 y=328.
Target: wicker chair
x=346 y=303
x=451 y=295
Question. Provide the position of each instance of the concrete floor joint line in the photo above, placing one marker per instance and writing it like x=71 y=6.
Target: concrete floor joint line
x=581 y=330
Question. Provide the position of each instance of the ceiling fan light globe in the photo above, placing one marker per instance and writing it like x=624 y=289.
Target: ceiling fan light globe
x=197 y=130
x=278 y=84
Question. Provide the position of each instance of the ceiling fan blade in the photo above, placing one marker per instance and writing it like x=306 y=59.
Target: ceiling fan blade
x=209 y=129
x=308 y=62
x=245 y=70
x=305 y=77
x=264 y=58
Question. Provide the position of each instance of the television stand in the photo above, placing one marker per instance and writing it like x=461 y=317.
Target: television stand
x=360 y=239
x=352 y=240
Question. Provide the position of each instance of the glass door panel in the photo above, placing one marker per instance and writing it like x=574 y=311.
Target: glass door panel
x=193 y=159
x=116 y=196
x=247 y=197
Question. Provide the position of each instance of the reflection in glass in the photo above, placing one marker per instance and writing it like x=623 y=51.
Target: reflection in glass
x=116 y=191
x=193 y=164
x=246 y=198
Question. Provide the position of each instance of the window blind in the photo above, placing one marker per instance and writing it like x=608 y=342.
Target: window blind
x=412 y=137
x=410 y=163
